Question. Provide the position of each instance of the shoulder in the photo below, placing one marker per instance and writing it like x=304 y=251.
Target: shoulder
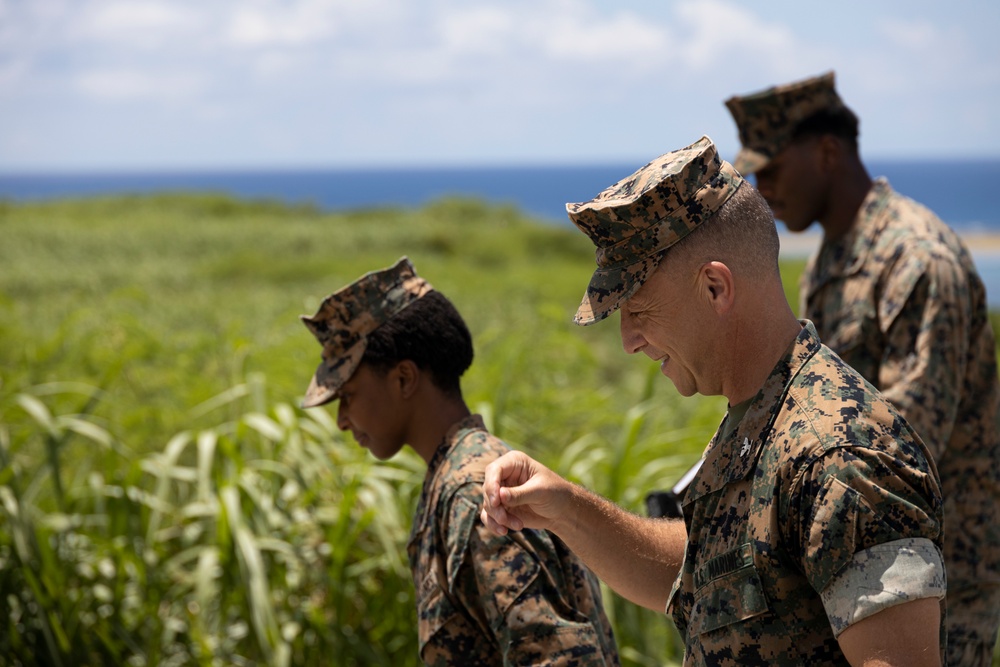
x=830 y=405
x=916 y=234
x=902 y=210
x=468 y=456
x=834 y=425
x=457 y=494
x=917 y=248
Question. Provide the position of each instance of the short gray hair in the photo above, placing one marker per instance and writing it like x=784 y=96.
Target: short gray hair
x=742 y=235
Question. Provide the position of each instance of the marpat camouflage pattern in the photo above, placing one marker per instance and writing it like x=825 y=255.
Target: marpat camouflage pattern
x=346 y=317
x=899 y=299
x=485 y=599
x=767 y=120
x=819 y=488
x=635 y=220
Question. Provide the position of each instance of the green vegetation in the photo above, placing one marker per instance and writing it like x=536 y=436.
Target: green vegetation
x=163 y=500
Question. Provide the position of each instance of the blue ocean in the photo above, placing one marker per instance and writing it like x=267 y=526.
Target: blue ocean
x=961 y=192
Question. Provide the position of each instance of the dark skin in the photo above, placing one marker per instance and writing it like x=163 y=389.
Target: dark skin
x=385 y=410
x=816 y=178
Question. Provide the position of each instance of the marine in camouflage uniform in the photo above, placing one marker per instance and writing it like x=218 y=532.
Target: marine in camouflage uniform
x=482 y=599
x=824 y=491
x=486 y=599
x=816 y=506
x=898 y=298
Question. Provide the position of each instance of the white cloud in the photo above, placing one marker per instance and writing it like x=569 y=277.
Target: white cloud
x=140 y=23
x=301 y=23
x=588 y=37
x=478 y=79
x=482 y=30
x=128 y=84
x=716 y=33
x=298 y=26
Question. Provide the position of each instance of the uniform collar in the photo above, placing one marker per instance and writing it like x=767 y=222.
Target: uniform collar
x=731 y=459
x=453 y=436
x=438 y=464
x=848 y=254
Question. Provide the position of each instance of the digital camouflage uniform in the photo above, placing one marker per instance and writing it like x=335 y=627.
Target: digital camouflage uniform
x=818 y=510
x=482 y=599
x=898 y=298
x=821 y=508
x=486 y=599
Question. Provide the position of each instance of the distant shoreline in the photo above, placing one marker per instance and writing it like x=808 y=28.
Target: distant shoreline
x=960 y=192
x=979 y=243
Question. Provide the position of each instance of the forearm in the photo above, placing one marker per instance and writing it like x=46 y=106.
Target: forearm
x=638 y=557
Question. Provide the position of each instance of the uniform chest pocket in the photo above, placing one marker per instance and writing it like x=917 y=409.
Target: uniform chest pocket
x=728 y=590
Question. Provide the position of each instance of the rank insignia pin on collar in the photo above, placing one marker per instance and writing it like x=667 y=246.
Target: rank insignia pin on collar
x=746 y=446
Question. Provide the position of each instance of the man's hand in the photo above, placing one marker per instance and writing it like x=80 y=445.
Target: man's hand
x=637 y=557
x=520 y=492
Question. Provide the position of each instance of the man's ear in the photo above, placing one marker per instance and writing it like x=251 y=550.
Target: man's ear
x=406 y=375
x=717 y=285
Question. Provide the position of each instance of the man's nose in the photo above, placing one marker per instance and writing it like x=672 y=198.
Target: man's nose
x=632 y=340
x=343 y=422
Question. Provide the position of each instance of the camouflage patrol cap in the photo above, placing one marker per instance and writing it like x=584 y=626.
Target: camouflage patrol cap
x=767 y=119
x=637 y=219
x=346 y=318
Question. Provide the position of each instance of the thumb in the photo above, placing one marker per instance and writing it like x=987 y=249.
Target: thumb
x=522 y=495
x=536 y=501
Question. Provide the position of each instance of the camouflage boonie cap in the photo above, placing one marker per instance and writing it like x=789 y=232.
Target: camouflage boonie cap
x=346 y=317
x=767 y=119
x=635 y=220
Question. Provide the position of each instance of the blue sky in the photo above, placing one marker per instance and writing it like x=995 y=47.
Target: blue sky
x=203 y=84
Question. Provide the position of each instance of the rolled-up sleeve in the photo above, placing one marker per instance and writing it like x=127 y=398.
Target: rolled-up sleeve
x=881 y=577
x=867 y=529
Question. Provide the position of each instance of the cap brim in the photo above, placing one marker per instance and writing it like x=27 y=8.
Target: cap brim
x=331 y=375
x=750 y=161
x=610 y=288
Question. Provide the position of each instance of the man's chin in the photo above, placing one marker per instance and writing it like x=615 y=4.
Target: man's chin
x=795 y=227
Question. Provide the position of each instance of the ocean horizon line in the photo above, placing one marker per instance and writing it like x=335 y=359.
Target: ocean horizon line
x=122 y=170
x=957 y=190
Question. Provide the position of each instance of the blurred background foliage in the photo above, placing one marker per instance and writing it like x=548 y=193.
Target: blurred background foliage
x=164 y=500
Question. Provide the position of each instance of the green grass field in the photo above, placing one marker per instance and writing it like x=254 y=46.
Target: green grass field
x=164 y=499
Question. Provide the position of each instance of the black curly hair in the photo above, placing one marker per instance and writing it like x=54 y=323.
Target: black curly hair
x=841 y=123
x=430 y=333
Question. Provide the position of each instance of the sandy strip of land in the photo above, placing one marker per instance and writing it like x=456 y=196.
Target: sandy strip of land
x=803 y=245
